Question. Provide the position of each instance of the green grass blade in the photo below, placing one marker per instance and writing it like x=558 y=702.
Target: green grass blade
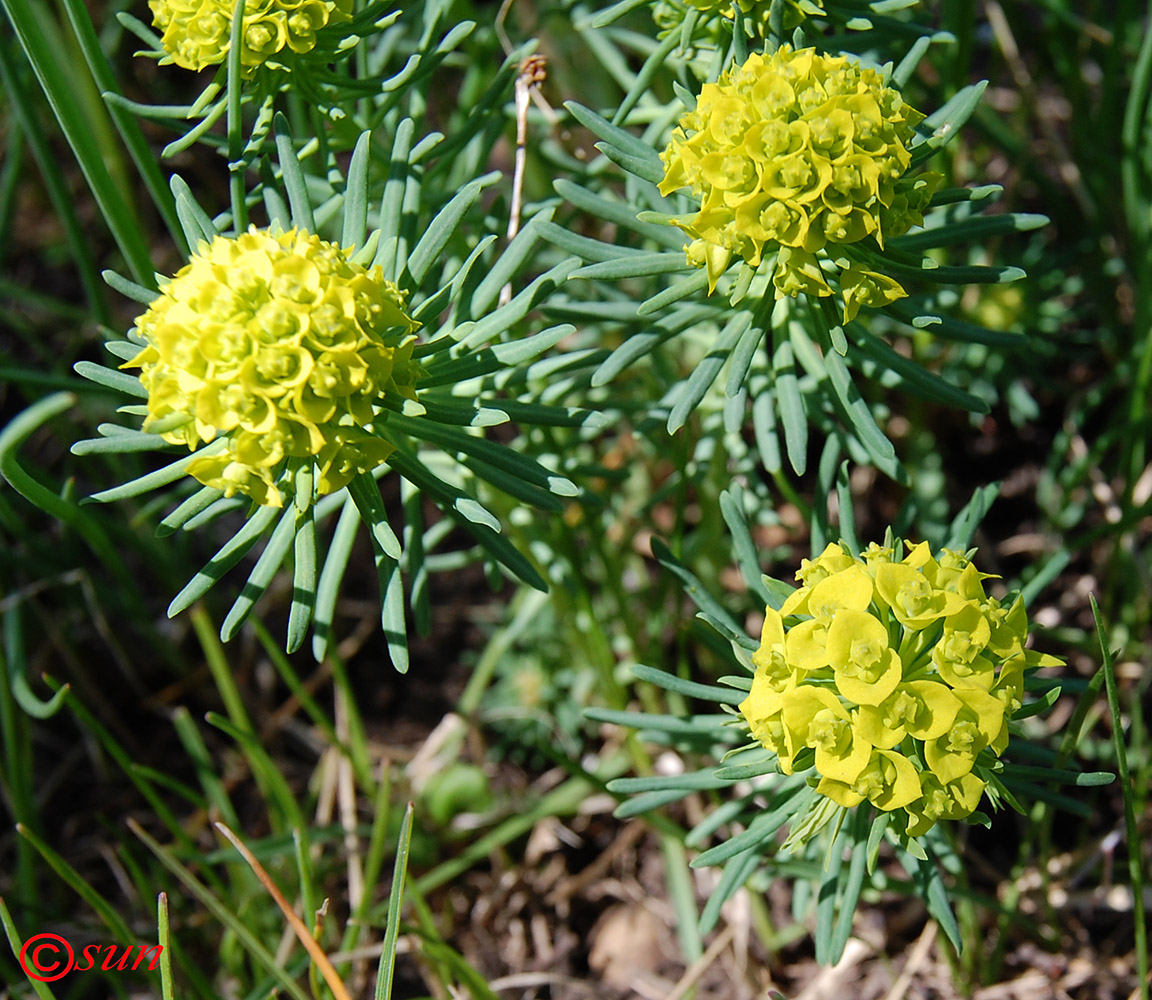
x=164 y=939
x=17 y=945
x=387 y=969
x=1131 y=829
x=77 y=130
x=850 y=891
x=28 y=115
x=129 y=130
x=75 y=881
x=252 y=945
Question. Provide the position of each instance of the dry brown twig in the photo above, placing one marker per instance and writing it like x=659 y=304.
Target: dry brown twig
x=533 y=70
x=335 y=983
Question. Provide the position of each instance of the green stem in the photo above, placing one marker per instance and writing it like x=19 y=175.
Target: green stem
x=236 y=123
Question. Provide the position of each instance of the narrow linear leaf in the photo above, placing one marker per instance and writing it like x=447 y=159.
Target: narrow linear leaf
x=649 y=801
x=693 y=781
x=262 y=573
x=161 y=477
x=950 y=233
x=640 y=166
x=198 y=502
x=440 y=230
x=110 y=378
x=303 y=579
x=622 y=139
x=514 y=257
x=916 y=378
x=332 y=575
x=294 y=182
x=743 y=546
x=229 y=554
x=694 y=588
x=858 y=412
x=195 y=222
x=944 y=124
x=680 y=289
x=503 y=551
x=736 y=872
x=691 y=725
x=129 y=289
x=366 y=495
x=620 y=212
x=585 y=247
x=121 y=443
x=356 y=195
x=764 y=826
x=791 y=407
x=392 y=619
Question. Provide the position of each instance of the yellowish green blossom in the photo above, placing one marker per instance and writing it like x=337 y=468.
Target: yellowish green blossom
x=197 y=33
x=865 y=667
x=806 y=643
x=977 y=725
x=795 y=10
x=814 y=717
x=669 y=14
x=793 y=154
x=952 y=800
x=921 y=709
x=889 y=781
x=897 y=676
x=282 y=346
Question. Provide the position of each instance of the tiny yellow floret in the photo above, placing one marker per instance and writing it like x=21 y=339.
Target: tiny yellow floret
x=279 y=344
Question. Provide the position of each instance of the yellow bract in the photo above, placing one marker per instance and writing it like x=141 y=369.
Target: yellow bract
x=280 y=344
x=197 y=33
x=795 y=152
x=894 y=676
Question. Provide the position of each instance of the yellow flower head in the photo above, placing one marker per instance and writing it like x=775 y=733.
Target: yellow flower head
x=281 y=345
x=795 y=10
x=196 y=33
x=895 y=677
x=795 y=152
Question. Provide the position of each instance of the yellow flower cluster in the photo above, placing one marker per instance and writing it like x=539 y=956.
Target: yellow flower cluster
x=279 y=343
x=798 y=151
x=196 y=33
x=895 y=681
x=795 y=11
